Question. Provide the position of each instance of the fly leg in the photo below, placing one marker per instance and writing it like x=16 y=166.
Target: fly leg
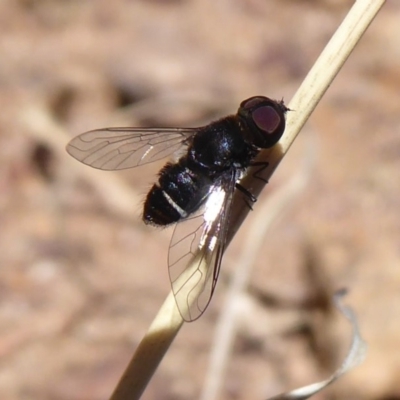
x=263 y=165
x=249 y=197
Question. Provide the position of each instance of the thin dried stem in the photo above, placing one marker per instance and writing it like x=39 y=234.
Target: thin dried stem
x=165 y=327
x=150 y=352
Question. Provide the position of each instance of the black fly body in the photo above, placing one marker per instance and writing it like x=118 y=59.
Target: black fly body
x=196 y=191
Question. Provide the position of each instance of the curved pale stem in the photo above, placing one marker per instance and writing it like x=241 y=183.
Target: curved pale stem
x=168 y=321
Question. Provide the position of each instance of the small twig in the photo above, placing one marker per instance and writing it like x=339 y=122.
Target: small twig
x=164 y=329
x=150 y=352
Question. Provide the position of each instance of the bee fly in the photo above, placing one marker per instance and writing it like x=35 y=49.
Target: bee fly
x=196 y=191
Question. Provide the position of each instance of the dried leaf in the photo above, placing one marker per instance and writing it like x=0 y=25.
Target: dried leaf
x=355 y=356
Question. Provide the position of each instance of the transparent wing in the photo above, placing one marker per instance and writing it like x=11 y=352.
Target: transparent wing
x=196 y=250
x=121 y=148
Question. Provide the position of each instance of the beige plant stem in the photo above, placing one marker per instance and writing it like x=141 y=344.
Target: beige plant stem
x=150 y=351
x=306 y=98
x=168 y=322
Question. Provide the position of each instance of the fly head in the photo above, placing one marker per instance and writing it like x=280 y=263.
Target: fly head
x=264 y=120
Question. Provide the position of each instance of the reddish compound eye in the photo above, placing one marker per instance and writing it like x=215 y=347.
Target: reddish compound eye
x=252 y=102
x=266 y=118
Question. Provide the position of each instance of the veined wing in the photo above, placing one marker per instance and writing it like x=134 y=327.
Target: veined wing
x=121 y=148
x=196 y=250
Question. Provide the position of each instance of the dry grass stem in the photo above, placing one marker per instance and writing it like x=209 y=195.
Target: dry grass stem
x=150 y=352
x=165 y=327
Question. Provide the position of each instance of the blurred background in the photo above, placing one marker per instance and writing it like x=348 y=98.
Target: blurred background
x=81 y=277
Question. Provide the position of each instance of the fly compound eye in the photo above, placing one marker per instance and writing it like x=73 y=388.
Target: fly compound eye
x=264 y=119
x=252 y=102
x=267 y=119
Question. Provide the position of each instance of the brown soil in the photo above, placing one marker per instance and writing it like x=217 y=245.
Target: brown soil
x=81 y=277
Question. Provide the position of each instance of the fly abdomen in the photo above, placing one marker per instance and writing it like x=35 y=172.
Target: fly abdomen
x=160 y=209
x=179 y=192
